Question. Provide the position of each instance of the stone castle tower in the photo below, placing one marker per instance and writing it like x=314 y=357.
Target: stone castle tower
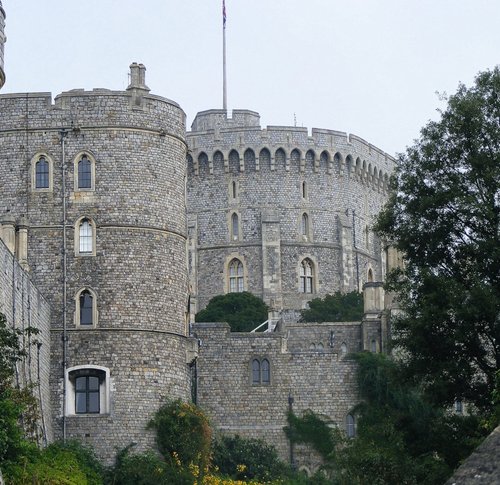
x=96 y=195
x=279 y=212
x=2 y=42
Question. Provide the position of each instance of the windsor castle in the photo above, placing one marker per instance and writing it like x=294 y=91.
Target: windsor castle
x=118 y=225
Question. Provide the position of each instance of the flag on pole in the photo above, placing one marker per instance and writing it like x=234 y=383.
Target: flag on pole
x=224 y=13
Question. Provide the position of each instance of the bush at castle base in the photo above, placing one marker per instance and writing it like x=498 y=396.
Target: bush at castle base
x=242 y=311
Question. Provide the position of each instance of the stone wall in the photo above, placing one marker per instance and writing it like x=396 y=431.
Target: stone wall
x=24 y=306
x=137 y=342
x=270 y=178
x=310 y=364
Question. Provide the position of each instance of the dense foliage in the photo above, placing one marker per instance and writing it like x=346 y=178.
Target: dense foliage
x=339 y=307
x=444 y=216
x=242 y=311
x=401 y=437
x=183 y=434
x=242 y=458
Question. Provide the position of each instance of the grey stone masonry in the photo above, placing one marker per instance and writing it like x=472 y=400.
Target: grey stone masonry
x=309 y=364
x=273 y=198
x=132 y=268
x=24 y=307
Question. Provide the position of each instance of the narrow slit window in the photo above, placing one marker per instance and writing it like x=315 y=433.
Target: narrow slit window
x=235 y=231
x=305 y=225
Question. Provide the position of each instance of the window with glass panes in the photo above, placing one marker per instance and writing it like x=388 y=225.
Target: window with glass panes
x=86 y=236
x=42 y=173
x=236 y=276
x=84 y=173
x=87 y=398
x=86 y=308
x=306 y=276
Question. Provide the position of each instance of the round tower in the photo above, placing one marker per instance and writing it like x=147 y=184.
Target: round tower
x=281 y=212
x=2 y=42
x=100 y=177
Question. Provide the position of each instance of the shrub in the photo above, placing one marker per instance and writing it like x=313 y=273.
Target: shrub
x=243 y=458
x=183 y=434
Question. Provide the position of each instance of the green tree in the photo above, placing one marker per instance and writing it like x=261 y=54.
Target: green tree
x=339 y=307
x=242 y=311
x=444 y=216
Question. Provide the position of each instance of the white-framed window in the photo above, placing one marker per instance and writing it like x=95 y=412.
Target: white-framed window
x=87 y=390
x=85 y=308
x=84 y=168
x=85 y=237
x=306 y=276
x=42 y=168
x=261 y=371
x=236 y=276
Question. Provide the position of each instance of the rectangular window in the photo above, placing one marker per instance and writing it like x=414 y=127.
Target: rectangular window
x=87 y=395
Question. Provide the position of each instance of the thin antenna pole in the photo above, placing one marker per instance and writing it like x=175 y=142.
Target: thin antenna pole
x=224 y=77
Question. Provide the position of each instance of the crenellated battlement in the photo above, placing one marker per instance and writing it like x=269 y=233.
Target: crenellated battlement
x=218 y=145
x=99 y=108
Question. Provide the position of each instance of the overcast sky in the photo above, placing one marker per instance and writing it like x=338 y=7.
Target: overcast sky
x=368 y=67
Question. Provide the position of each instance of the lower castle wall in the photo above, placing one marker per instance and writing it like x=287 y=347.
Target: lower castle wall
x=145 y=368
x=320 y=379
x=24 y=306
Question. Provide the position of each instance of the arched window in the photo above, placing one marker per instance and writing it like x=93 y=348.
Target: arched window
x=42 y=173
x=265 y=372
x=84 y=173
x=236 y=279
x=304 y=190
x=370 y=276
x=86 y=236
x=373 y=346
x=234 y=190
x=343 y=348
x=306 y=276
x=235 y=227
x=304 y=226
x=350 y=426
x=256 y=371
x=261 y=371
x=85 y=308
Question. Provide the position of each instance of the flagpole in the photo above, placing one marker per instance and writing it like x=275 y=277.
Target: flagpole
x=224 y=78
